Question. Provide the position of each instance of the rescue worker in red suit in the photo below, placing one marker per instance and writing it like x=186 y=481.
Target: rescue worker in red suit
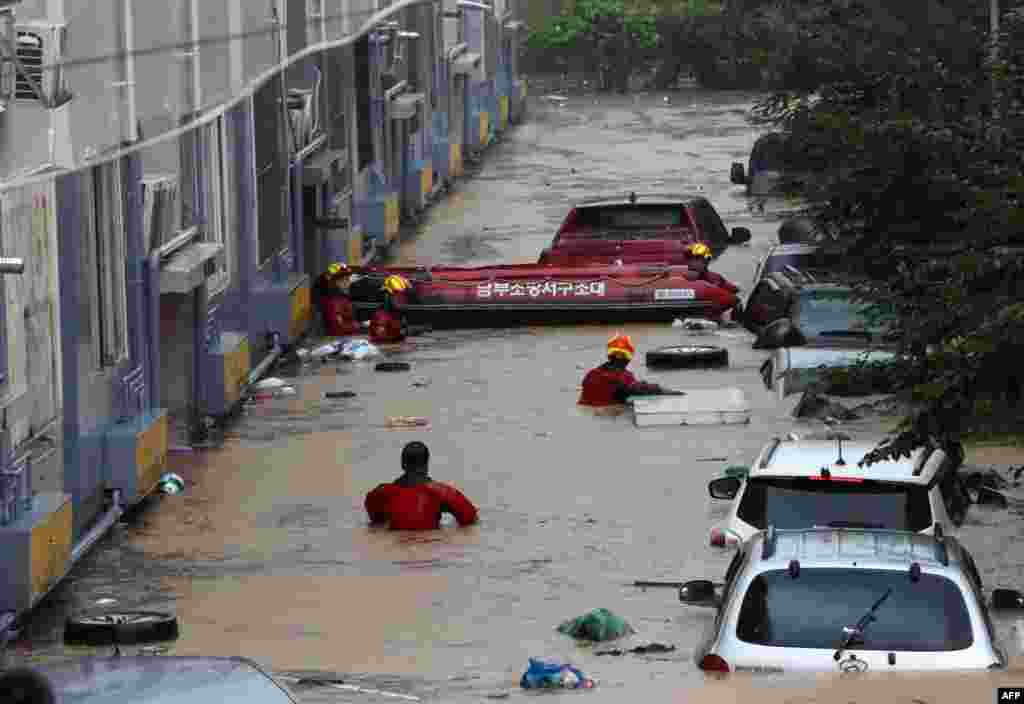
x=414 y=501
x=335 y=304
x=611 y=383
x=388 y=325
x=698 y=256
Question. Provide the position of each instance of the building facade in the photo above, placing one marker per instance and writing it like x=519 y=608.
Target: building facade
x=160 y=283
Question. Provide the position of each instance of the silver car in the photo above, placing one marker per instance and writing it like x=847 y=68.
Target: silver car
x=151 y=679
x=850 y=601
x=805 y=483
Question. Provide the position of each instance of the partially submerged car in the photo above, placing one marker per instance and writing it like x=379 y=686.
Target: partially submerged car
x=644 y=229
x=784 y=311
x=805 y=262
x=147 y=678
x=793 y=370
x=845 y=600
x=774 y=165
x=816 y=483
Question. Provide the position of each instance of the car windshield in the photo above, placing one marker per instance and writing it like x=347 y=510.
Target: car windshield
x=811 y=610
x=801 y=502
x=629 y=217
x=154 y=680
x=831 y=311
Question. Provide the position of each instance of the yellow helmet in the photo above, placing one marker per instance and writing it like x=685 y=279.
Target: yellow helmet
x=395 y=283
x=699 y=249
x=338 y=269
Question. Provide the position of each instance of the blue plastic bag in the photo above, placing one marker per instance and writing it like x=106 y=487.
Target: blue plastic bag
x=551 y=675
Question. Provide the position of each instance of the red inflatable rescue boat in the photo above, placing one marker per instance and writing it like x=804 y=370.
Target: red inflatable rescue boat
x=530 y=294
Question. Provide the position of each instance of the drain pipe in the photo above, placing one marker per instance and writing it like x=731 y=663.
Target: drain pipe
x=272 y=356
x=115 y=511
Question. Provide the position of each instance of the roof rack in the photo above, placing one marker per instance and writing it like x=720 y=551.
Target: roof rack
x=941 y=552
x=768 y=549
x=776 y=441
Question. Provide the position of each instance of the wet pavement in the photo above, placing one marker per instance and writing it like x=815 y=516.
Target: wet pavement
x=267 y=553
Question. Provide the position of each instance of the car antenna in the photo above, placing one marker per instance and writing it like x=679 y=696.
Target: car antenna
x=831 y=423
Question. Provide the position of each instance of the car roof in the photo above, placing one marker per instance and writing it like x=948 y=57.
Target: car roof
x=643 y=199
x=802 y=458
x=846 y=547
x=175 y=679
x=788 y=248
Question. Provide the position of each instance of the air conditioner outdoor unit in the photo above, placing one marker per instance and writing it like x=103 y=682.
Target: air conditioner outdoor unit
x=40 y=47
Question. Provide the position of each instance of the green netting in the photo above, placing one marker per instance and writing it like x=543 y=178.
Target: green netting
x=598 y=625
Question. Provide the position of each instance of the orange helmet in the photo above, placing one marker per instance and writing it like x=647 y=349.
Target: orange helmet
x=622 y=346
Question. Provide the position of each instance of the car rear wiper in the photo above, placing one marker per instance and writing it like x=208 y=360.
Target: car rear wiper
x=855 y=632
x=853 y=524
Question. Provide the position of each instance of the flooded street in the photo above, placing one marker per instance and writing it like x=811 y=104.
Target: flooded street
x=268 y=555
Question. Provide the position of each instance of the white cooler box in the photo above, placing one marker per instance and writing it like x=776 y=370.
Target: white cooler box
x=698 y=407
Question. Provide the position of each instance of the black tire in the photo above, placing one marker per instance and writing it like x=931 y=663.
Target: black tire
x=393 y=367
x=122 y=627
x=688 y=357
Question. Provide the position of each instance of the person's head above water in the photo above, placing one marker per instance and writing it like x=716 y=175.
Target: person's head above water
x=621 y=350
x=415 y=458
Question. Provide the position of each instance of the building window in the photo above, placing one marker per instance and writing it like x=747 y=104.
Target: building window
x=107 y=270
x=271 y=174
x=364 y=117
x=221 y=207
x=4 y=357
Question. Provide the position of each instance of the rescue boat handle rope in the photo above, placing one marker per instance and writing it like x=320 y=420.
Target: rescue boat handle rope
x=602 y=277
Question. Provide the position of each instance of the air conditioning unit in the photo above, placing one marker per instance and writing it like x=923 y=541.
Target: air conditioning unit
x=40 y=47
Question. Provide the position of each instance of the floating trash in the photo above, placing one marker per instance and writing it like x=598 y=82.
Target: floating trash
x=407 y=422
x=598 y=625
x=171 y=483
x=551 y=675
x=105 y=602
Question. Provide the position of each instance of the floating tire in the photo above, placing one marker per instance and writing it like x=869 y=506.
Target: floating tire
x=121 y=627
x=688 y=357
x=393 y=366
x=340 y=394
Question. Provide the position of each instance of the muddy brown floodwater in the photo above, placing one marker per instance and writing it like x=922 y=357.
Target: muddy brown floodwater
x=267 y=554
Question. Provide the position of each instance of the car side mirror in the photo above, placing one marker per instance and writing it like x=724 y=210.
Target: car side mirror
x=740 y=235
x=698 y=592
x=724 y=487
x=737 y=174
x=1003 y=599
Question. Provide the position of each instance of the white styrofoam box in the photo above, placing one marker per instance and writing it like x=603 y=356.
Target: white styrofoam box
x=726 y=406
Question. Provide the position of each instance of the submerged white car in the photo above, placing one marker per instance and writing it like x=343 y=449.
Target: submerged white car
x=849 y=601
x=817 y=483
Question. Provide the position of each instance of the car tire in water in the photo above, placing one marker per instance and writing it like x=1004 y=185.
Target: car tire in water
x=393 y=366
x=688 y=357
x=121 y=627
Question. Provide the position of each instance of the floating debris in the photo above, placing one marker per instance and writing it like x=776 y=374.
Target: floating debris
x=171 y=483
x=396 y=422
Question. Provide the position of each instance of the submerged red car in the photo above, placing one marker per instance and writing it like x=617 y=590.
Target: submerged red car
x=636 y=229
